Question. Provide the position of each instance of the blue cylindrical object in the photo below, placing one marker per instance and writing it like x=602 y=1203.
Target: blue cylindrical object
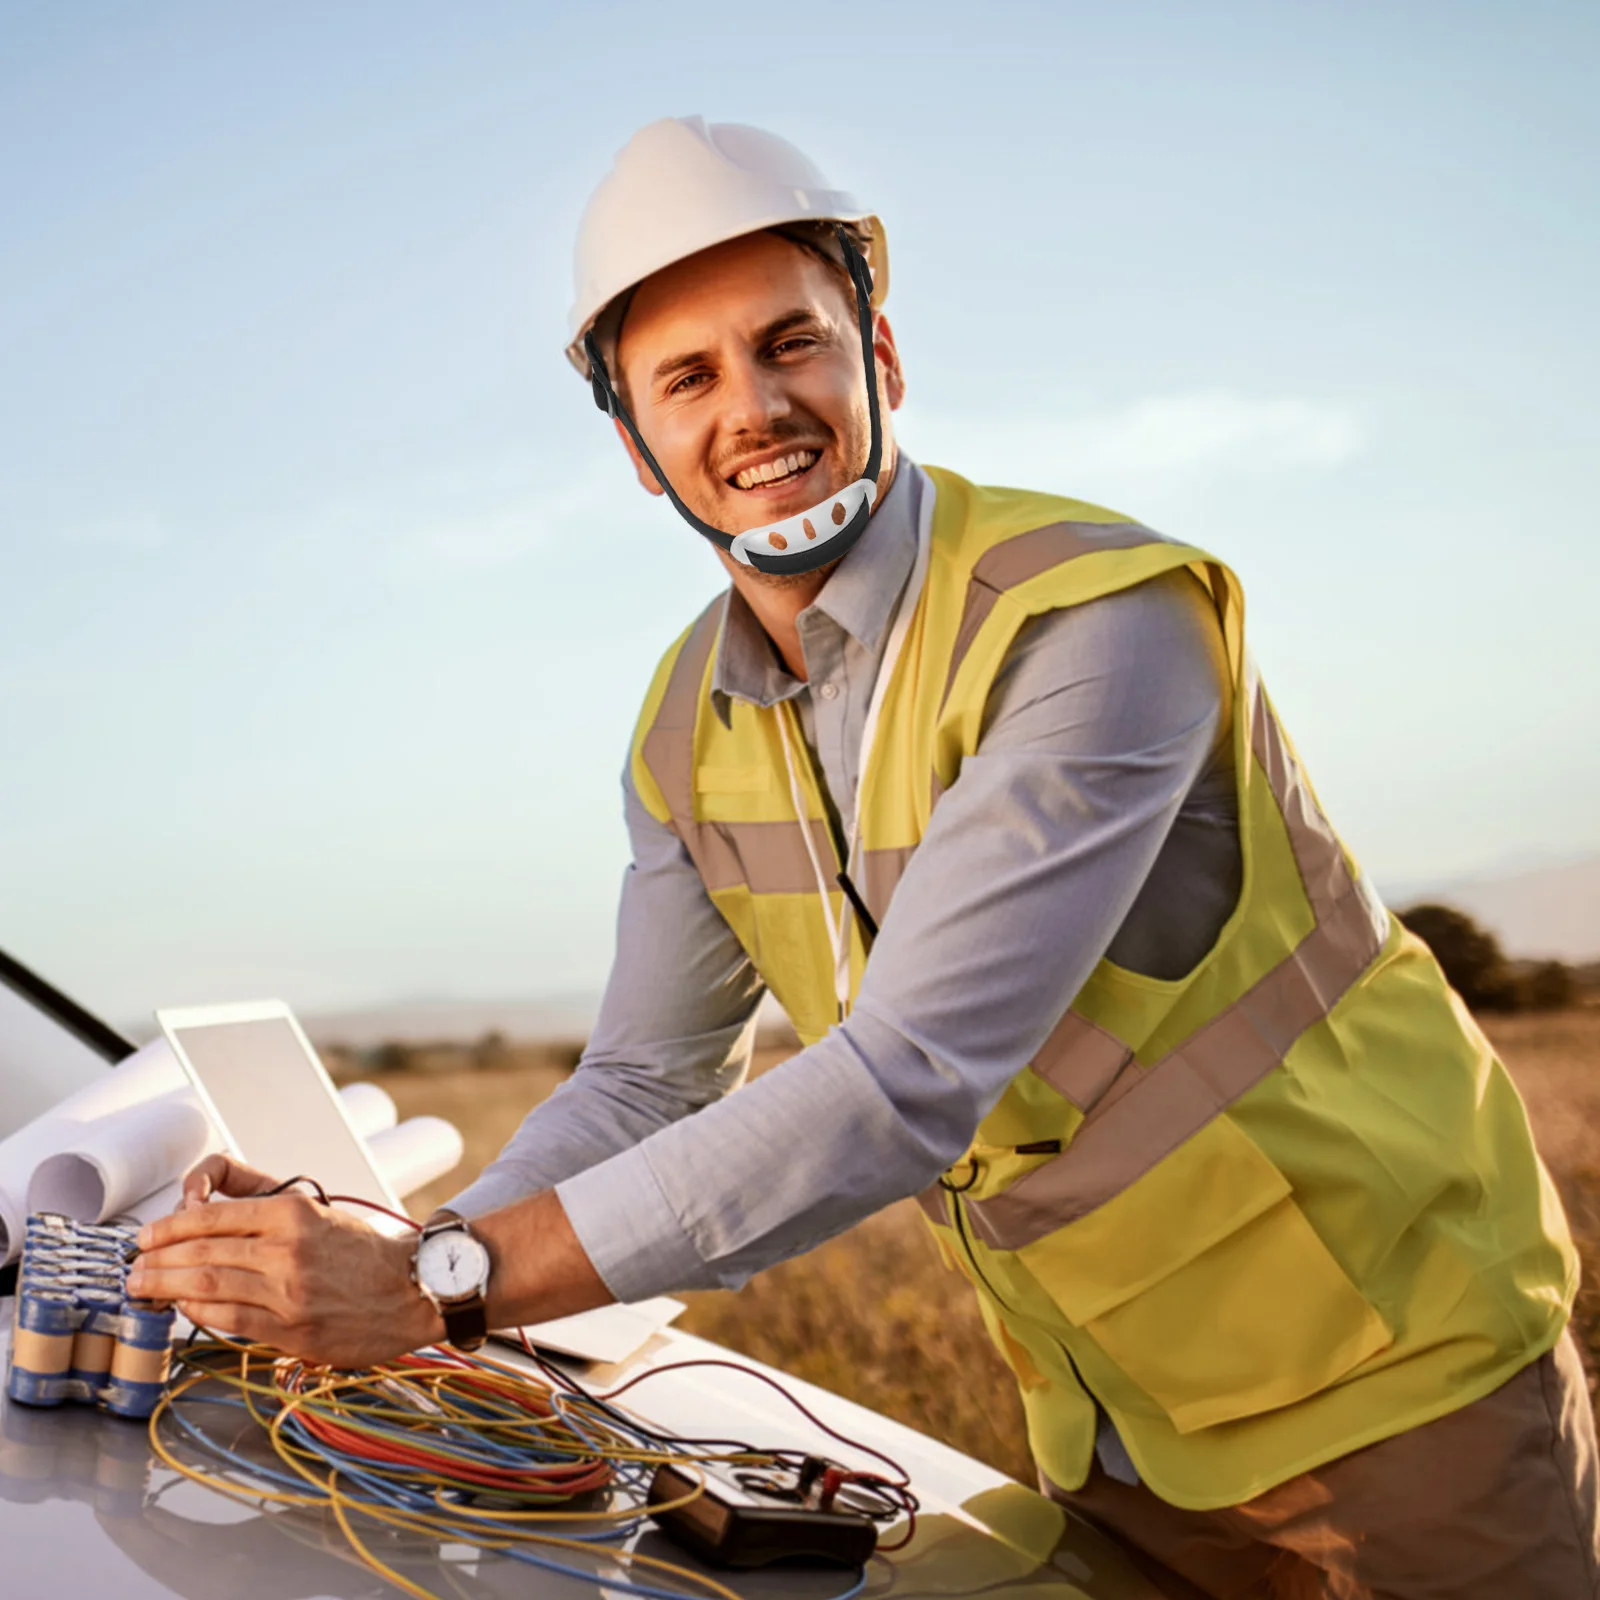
x=50 y=1312
x=139 y=1366
x=41 y=1347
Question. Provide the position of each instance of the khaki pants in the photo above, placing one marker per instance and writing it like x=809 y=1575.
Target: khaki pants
x=1495 y=1501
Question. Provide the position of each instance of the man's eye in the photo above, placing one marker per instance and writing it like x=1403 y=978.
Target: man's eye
x=690 y=380
x=799 y=342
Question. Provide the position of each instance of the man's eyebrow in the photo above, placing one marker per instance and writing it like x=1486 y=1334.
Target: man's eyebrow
x=801 y=316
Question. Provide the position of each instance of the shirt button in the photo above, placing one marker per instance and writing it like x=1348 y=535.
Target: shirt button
x=829 y=691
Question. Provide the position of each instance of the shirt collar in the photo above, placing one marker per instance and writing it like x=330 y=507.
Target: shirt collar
x=860 y=596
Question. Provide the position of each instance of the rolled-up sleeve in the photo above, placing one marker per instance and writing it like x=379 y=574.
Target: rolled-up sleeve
x=1103 y=720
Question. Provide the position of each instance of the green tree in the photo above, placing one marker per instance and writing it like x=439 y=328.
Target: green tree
x=1470 y=955
x=1550 y=986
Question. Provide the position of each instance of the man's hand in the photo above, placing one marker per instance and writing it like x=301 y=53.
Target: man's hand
x=285 y=1271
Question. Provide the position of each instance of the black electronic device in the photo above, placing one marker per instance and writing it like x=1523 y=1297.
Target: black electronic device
x=753 y=1515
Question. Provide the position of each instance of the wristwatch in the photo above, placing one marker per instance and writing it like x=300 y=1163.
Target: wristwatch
x=451 y=1267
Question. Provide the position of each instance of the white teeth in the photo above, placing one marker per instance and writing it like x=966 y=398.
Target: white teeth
x=771 y=471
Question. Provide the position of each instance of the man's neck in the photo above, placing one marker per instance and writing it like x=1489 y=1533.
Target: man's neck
x=777 y=605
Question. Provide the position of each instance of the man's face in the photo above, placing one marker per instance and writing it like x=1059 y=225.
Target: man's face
x=742 y=368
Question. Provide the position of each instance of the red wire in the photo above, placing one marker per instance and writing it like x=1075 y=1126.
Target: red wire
x=372 y=1205
x=564 y=1479
x=771 y=1383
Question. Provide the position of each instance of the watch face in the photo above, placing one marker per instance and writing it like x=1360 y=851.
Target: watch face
x=452 y=1264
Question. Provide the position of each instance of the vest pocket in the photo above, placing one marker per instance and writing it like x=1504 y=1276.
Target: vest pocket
x=1206 y=1285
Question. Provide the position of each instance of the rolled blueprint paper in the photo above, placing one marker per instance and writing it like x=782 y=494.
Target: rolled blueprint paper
x=369 y=1108
x=146 y=1075
x=415 y=1153
x=116 y=1160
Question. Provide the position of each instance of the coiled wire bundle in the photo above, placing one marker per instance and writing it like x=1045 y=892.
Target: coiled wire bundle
x=458 y=1448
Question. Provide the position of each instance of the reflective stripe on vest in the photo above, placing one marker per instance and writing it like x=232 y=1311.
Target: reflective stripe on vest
x=1136 y=1115
x=764 y=857
x=767 y=857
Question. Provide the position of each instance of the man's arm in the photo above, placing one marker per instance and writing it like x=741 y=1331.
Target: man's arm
x=674 y=1032
x=1104 y=722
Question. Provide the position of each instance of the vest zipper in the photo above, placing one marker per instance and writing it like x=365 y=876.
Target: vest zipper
x=954 y=1207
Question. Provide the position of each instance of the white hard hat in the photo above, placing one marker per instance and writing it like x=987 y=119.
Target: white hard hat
x=680 y=186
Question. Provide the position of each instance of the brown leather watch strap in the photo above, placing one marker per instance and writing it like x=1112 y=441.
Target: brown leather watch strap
x=466 y=1326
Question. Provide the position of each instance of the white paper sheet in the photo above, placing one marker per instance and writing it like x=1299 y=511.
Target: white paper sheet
x=416 y=1152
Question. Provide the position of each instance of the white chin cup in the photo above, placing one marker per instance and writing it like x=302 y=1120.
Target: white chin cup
x=807 y=529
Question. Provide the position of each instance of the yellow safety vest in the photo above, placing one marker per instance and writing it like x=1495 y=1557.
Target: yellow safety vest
x=1266 y=1213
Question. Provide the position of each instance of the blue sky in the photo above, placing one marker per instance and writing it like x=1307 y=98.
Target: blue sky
x=326 y=599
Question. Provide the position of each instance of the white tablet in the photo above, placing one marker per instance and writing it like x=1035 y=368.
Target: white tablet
x=273 y=1102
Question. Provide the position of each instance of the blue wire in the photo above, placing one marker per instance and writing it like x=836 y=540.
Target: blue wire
x=400 y=1497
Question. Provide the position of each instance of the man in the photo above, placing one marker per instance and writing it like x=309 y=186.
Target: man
x=1251 y=1209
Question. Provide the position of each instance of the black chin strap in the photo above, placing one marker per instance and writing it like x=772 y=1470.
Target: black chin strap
x=831 y=549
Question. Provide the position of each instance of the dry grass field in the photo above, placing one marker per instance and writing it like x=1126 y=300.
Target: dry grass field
x=875 y=1315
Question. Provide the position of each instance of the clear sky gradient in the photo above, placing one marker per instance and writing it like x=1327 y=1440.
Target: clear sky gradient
x=327 y=600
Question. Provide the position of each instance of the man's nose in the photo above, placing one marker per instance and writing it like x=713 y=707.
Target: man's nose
x=754 y=397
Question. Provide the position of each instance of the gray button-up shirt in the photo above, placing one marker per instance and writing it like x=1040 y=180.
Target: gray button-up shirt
x=1097 y=816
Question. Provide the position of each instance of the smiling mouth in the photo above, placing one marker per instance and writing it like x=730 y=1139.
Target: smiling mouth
x=775 y=474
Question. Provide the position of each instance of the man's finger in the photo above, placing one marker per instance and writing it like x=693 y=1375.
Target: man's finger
x=220 y=1250
x=221 y=1174
x=234 y=1286
x=248 y=1323
x=283 y=1213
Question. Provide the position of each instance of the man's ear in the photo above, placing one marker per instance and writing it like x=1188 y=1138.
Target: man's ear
x=647 y=478
x=892 y=374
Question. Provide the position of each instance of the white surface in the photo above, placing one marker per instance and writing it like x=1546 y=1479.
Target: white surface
x=416 y=1152
x=608 y=1333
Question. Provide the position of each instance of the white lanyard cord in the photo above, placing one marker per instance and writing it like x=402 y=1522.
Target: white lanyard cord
x=802 y=812
x=839 y=927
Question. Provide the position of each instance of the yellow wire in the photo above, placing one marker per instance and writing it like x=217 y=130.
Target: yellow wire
x=327 y=1392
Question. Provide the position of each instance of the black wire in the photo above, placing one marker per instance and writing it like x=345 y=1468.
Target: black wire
x=869 y=926
x=289 y=1183
x=83 y=1025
